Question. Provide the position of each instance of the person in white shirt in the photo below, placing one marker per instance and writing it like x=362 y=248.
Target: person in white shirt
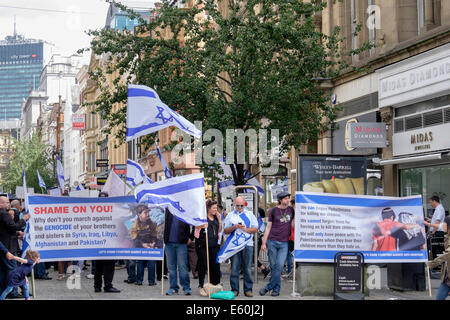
x=438 y=216
x=247 y=222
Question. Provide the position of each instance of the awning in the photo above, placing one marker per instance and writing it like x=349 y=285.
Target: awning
x=434 y=156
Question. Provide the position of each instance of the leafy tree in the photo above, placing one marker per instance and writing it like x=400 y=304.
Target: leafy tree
x=231 y=64
x=33 y=154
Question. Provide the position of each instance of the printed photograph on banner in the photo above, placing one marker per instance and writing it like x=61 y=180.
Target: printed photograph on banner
x=76 y=228
x=146 y=227
x=384 y=229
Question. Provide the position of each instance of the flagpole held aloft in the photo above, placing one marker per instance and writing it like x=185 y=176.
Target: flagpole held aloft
x=207 y=262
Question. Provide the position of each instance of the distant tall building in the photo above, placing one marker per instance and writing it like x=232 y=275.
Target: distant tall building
x=21 y=63
x=120 y=20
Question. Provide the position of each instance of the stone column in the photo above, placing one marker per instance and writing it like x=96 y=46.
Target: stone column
x=389 y=172
x=429 y=12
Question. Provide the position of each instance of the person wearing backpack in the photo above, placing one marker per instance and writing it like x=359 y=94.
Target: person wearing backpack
x=275 y=241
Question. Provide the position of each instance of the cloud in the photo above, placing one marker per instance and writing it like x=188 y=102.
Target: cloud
x=65 y=29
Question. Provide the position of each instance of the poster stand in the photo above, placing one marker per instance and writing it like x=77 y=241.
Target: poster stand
x=349 y=276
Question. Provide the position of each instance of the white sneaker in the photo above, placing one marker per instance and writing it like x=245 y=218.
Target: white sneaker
x=90 y=276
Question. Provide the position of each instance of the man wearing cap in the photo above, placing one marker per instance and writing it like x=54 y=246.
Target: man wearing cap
x=276 y=239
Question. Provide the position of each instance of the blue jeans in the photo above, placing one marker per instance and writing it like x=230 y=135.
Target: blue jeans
x=277 y=256
x=177 y=257
x=151 y=268
x=443 y=292
x=6 y=266
x=131 y=270
x=289 y=262
x=244 y=258
x=25 y=291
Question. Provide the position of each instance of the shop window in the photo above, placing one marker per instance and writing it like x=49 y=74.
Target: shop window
x=447 y=115
x=433 y=118
x=427 y=181
x=399 y=125
x=414 y=122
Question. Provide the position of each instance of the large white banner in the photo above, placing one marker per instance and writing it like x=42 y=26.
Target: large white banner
x=384 y=229
x=73 y=228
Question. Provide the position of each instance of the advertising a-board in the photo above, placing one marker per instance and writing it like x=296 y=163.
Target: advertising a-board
x=332 y=174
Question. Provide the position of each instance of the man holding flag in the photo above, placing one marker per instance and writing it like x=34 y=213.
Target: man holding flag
x=184 y=198
x=241 y=224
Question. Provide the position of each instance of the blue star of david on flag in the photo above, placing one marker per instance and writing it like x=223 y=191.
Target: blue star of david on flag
x=167 y=171
x=237 y=239
x=146 y=113
x=160 y=115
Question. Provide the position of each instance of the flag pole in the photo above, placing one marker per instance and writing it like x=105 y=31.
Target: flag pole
x=162 y=271
x=33 y=284
x=427 y=269
x=207 y=262
x=293 y=277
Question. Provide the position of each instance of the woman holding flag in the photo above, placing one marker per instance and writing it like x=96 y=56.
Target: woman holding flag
x=214 y=228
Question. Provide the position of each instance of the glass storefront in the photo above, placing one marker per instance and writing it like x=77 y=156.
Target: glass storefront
x=427 y=181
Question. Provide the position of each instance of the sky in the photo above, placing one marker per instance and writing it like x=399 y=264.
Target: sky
x=61 y=22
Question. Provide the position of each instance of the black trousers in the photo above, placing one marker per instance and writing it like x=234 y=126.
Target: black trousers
x=104 y=268
x=214 y=267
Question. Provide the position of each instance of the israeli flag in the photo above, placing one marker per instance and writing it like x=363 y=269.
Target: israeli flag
x=60 y=173
x=261 y=225
x=26 y=239
x=226 y=179
x=184 y=196
x=135 y=174
x=79 y=187
x=146 y=113
x=41 y=181
x=167 y=171
x=254 y=182
x=237 y=240
x=227 y=183
x=24 y=181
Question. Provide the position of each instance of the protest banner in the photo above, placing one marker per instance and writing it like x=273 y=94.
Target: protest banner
x=54 y=192
x=72 y=228
x=384 y=229
x=84 y=193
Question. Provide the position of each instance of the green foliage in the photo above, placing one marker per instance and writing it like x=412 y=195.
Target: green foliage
x=231 y=71
x=33 y=154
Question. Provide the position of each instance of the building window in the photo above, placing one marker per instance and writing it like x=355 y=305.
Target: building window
x=373 y=30
x=104 y=152
x=133 y=149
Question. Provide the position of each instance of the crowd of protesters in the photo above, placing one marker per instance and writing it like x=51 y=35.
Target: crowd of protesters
x=185 y=251
x=179 y=237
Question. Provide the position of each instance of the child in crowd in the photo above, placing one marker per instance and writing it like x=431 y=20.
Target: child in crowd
x=18 y=277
